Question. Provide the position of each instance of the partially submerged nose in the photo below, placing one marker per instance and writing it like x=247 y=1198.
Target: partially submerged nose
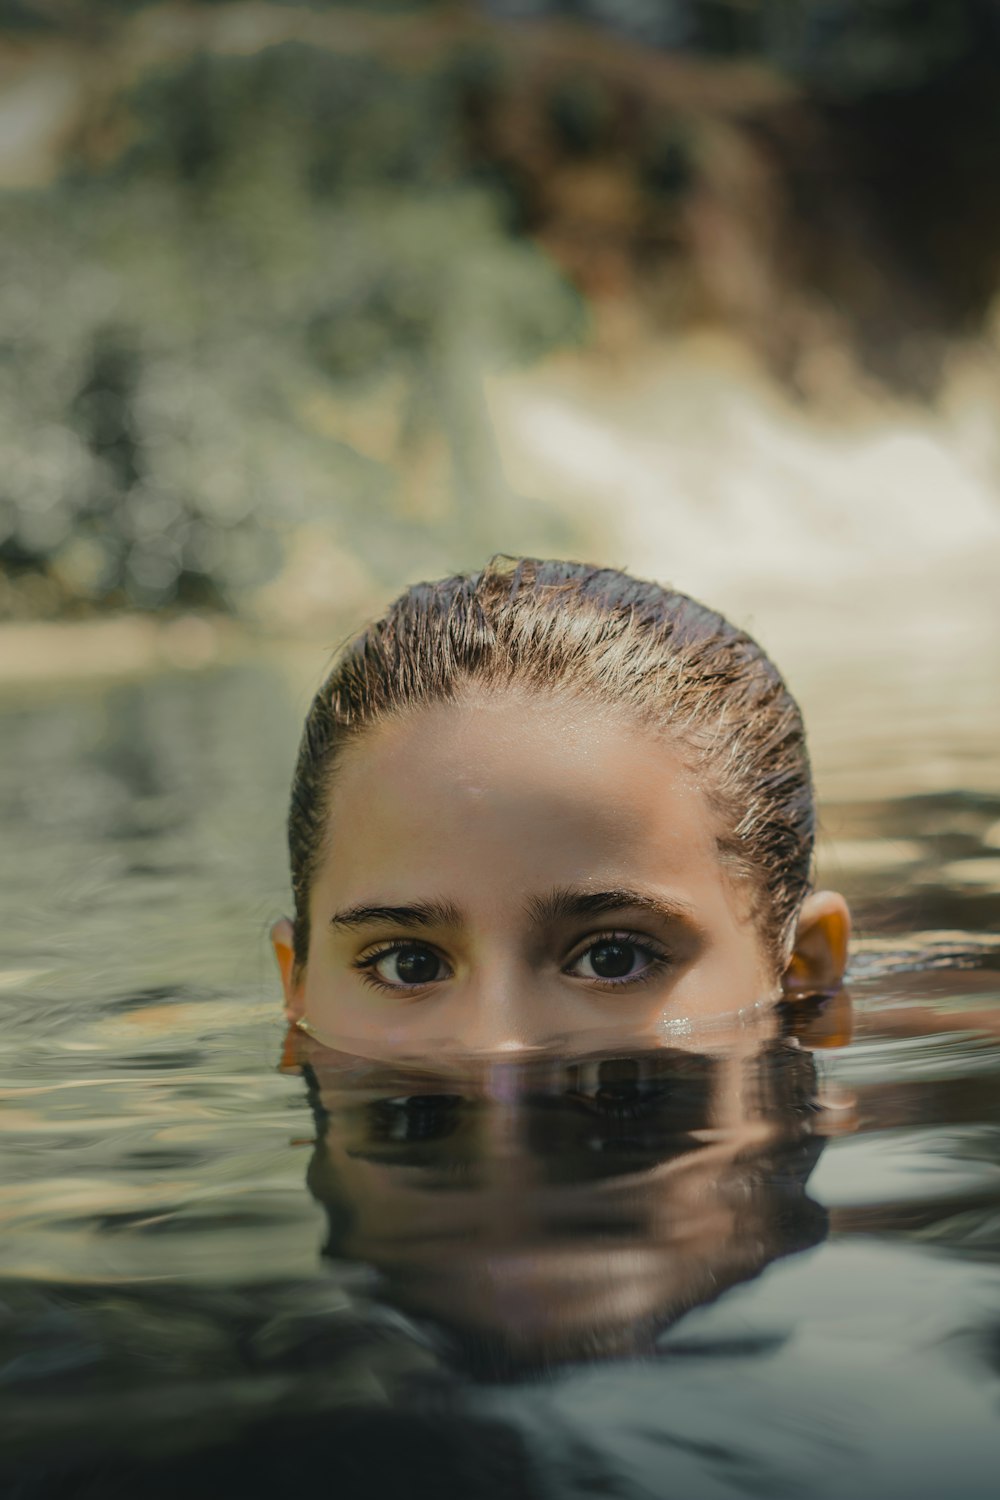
x=497 y=1032
x=507 y=1018
x=502 y=1016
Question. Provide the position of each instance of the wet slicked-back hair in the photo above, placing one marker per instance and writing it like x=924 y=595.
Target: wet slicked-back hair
x=595 y=634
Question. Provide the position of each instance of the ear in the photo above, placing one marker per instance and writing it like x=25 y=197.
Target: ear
x=819 y=954
x=283 y=943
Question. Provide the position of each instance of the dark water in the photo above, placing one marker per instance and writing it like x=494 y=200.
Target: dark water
x=768 y=1263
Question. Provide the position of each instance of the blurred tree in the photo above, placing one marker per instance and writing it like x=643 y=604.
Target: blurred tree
x=269 y=315
x=253 y=316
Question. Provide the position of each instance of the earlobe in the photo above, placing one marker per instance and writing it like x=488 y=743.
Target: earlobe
x=283 y=943
x=819 y=955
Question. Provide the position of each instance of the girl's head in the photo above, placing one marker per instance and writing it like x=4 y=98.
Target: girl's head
x=543 y=802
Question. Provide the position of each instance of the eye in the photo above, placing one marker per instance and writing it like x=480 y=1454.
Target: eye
x=401 y=966
x=617 y=958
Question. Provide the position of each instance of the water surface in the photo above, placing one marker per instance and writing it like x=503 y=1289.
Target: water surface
x=766 y=1262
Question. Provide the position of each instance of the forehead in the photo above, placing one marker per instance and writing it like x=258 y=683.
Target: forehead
x=518 y=788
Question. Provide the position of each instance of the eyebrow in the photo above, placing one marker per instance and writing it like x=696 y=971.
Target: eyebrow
x=562 y=904
x=567 y=902
x=413 y=914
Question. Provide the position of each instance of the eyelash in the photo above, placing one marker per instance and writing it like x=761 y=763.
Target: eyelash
x=659 y=959
x=365 y=965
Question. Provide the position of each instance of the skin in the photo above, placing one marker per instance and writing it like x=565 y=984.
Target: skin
x=528 y=832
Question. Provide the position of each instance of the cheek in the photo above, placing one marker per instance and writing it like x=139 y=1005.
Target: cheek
x=734 y=969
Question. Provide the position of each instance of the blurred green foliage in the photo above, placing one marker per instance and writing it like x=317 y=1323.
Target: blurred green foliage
x=291 y=248
x=250 y=323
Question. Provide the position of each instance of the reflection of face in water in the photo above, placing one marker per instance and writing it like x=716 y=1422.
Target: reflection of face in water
x=560 y=1209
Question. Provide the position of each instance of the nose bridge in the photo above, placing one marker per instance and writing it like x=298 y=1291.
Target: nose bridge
x=501 y=1015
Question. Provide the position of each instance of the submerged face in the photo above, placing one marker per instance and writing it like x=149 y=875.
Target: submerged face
x=518 y=872
x=569 y=1210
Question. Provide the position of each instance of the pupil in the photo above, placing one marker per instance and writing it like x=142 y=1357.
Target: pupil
x=416 y=966
x=612 y=960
